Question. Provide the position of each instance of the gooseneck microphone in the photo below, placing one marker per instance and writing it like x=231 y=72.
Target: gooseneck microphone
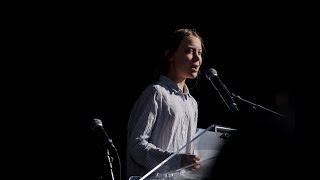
x=103 y=138
x=226 y=96
x=97 y=127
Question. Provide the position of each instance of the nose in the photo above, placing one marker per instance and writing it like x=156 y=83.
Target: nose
x=197 y=57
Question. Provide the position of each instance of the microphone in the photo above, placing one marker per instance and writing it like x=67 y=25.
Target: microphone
x=212 y=76
x=97 y=127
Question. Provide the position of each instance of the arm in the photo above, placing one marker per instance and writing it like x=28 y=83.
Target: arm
x=142 y=120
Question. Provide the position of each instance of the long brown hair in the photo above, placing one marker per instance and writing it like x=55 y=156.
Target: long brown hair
x=170 y=45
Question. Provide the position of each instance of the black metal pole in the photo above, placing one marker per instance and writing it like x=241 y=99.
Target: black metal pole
x=110 y=159
x=257 y=105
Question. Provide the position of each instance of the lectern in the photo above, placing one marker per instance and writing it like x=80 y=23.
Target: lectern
x=207 y=143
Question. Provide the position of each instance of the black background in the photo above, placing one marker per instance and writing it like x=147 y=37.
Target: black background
x=79 y=62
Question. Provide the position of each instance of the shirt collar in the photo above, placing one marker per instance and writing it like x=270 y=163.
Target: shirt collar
x=173 y=85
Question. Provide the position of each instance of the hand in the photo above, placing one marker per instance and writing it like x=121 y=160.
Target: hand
x=191 y=160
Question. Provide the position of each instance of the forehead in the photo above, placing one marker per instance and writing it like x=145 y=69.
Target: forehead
x=191 y=41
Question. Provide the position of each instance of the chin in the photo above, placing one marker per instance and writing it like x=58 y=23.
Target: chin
x=193 y=75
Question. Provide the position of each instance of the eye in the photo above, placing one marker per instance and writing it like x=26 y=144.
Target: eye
x=190 y=50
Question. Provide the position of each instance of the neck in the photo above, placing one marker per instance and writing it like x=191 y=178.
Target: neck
x=181 y=85
x=180 y=81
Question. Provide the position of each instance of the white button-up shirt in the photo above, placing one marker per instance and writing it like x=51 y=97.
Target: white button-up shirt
x=162 y=120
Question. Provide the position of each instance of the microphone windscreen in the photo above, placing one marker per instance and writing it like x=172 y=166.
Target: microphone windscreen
x=211 y=72
x=96 y=122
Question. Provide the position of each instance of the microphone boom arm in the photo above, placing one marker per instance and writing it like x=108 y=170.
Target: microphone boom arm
x=256 y=105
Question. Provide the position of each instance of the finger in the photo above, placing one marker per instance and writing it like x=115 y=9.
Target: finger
x=196 y=158
x=196 y=166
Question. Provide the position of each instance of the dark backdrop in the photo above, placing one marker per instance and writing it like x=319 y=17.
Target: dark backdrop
x=93 y=63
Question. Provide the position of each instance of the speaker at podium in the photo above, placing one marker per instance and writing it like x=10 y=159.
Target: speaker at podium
x=207 y=143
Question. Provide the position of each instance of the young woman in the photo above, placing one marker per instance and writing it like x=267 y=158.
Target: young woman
x=164 y=118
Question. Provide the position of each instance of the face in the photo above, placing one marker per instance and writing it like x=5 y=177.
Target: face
x=186 y=61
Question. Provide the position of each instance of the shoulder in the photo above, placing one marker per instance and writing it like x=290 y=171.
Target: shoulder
x=155 y=88
x=151 y=91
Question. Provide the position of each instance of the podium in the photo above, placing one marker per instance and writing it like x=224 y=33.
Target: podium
x=207 y=143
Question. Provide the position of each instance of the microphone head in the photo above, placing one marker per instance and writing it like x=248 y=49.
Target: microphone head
x=97 y=128
x=96 y=122
x=211 y=72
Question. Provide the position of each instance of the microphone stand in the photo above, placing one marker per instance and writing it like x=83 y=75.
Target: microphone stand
x=256 y=105
x=107 y=165
x=110 y=163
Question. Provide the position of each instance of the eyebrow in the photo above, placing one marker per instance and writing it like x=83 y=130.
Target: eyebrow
x=193 y=47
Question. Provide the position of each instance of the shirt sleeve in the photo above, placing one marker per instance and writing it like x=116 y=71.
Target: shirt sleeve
x=141 y=122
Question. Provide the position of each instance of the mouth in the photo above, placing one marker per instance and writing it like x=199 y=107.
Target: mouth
x=195 y=68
